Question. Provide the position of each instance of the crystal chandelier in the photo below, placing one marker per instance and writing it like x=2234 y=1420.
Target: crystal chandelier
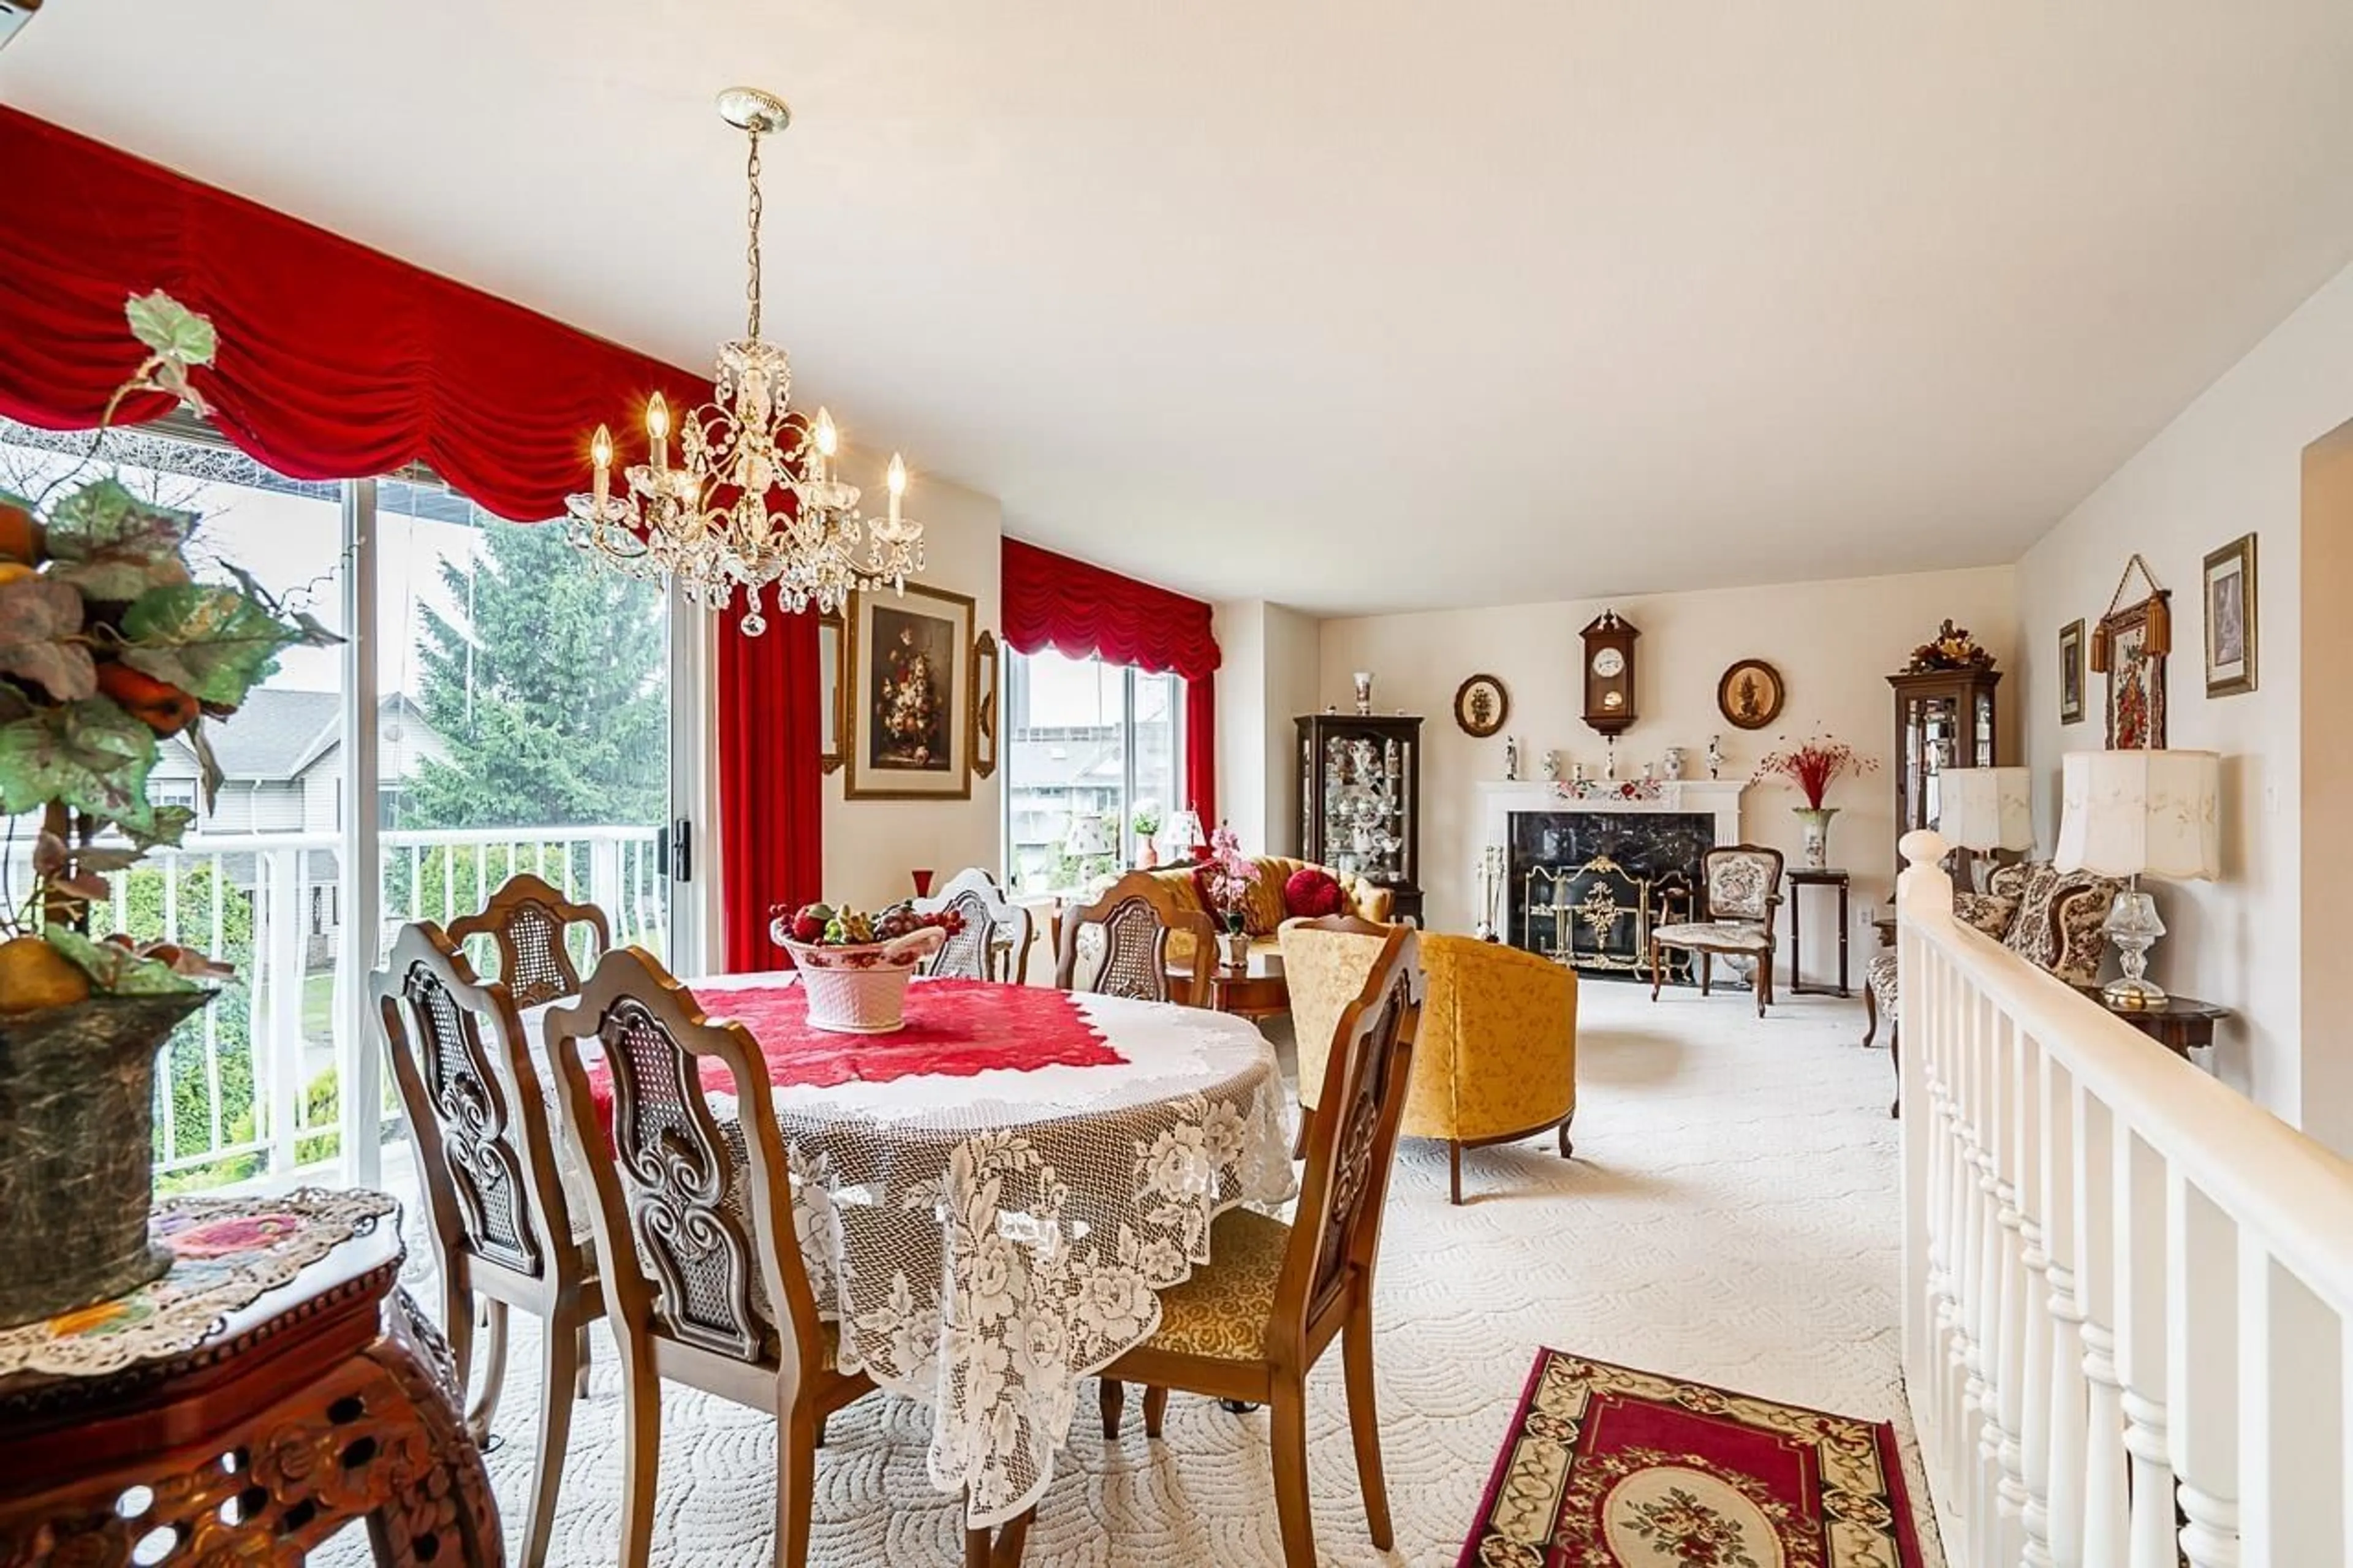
x=752 y=500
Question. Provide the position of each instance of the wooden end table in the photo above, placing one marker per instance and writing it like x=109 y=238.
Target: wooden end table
x=2181 y=1024
x=328 y=1399
x=1256 y=991
x=1806 y=876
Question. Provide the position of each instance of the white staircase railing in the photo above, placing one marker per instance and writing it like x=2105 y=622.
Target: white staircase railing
x=2128 y=1292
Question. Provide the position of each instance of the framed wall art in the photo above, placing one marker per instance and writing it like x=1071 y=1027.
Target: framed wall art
x=1481 y=706
x=2129 y=647
x=983 y=704
x=1750 y=694
x=2230 y=618
x=833 y=692
x=2071 y=672
x=907 y=656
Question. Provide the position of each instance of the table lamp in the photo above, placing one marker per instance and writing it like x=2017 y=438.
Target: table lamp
x=1985 y=809
x=2130 y=813
x=1182 y=836
x=1090 y=839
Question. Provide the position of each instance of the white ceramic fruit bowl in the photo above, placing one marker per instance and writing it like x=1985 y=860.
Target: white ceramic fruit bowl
x=862 y=989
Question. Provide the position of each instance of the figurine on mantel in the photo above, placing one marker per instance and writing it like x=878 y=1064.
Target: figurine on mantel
x=1552 y=767
x=1674 y=764
x=1715 y=757
x=1511 y=759
x=1611 y=771
x=1577 y=774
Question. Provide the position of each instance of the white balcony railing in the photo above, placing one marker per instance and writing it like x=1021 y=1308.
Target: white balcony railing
x=2128 y=1292
x=252 y=1084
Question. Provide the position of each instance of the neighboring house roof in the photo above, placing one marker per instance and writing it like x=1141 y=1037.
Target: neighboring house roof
x=278 y=734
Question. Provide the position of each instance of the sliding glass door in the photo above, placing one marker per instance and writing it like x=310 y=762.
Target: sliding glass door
x=501 y=705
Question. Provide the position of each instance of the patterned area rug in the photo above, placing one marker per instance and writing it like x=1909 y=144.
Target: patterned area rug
x=1607 y=1466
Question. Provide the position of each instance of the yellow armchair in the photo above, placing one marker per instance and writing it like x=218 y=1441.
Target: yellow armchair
x=1496 y=1058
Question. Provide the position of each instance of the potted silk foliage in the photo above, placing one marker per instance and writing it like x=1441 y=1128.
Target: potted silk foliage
x=109 y=646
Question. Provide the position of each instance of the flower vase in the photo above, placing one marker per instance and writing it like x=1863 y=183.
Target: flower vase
x=1816 y=821
x=1233 y=944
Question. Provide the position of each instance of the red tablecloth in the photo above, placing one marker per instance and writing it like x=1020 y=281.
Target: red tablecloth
x=954 y=1027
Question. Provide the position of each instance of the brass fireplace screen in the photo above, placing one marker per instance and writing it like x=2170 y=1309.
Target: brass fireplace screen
x=1599 y=916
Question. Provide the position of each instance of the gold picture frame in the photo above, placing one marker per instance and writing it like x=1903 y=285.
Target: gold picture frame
x=2071 y=672
x=1481 y=706
x=1750 y=695
x=985 y=667
x=2231 y=630
x=905 y=655
x=833 y=691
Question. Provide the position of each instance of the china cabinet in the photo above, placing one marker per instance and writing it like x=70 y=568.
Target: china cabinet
x=1361 y=800
x=1944 y=718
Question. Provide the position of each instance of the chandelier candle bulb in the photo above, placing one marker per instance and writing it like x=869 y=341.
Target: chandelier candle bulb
x=658 y=432
x=600 y=452
x=897 y=485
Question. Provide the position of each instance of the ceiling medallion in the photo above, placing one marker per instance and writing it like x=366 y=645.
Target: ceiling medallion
x=752 y=501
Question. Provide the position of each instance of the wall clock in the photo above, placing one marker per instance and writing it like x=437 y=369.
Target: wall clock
x=1481 y=706
x=1610 y=672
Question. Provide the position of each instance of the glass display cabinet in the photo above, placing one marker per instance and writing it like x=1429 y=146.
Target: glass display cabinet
x=1944 y=718
x=1360 y=801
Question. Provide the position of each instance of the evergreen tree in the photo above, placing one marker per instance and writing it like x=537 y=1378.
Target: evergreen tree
x=552 y=707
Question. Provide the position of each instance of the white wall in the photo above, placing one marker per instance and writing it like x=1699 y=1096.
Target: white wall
x=2229 y=464
x=1267 y=676
x=1833 y=642
x=871 y=846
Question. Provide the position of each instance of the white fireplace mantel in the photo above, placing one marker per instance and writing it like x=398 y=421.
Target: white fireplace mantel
x=1501 y=799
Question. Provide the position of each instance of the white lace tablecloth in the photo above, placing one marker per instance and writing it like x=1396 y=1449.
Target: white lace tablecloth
x=987 y=1241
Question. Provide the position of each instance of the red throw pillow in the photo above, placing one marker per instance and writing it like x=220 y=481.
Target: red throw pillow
x=1311 y=893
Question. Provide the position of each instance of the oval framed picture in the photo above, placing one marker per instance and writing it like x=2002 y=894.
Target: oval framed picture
x=1481 y=706
x=1750 y=694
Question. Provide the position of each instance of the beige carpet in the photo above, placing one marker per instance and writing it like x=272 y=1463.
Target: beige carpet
x=1730 y=1216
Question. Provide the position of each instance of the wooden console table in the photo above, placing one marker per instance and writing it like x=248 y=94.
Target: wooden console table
x=2181 y=1025
x=328 y=1399
x=1806 y=876
x=1257 y=990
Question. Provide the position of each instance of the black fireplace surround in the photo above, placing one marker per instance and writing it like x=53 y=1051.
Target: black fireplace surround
x=1587 y=886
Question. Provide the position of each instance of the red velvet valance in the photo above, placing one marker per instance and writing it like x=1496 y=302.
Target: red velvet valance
x=335 y=361
x=338 y=361
x=1053 y=601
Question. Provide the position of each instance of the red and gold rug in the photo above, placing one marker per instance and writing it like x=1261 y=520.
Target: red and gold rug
x=1610 y=1467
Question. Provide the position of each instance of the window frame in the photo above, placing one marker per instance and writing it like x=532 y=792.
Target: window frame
x=1129 y=752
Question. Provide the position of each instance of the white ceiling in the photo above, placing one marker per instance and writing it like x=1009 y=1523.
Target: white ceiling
x=1351 y=306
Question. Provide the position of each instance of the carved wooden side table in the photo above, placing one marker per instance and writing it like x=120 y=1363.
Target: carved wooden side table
x=324 y=1398
x=1799 y=880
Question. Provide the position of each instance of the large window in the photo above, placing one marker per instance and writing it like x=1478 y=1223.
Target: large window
x=1084 y=738
x=513 y=714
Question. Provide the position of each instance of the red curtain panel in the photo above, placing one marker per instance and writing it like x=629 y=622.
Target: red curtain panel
x=338 y=361
x=1084 y=611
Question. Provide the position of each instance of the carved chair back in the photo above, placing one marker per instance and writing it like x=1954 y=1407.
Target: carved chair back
x=1351 y=1141
x=531 y=920
x=694 y=1226
x=995 y=941
x=1744 y=883
x=1127 y=933
x=476 y=1108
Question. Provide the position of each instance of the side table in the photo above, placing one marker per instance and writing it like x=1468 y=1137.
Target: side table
x=1816 y=877
x=2181 y=1025
x=1256 y=991
x=324 y=1399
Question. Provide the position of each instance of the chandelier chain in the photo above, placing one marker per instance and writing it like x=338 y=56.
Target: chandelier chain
x=752 y=242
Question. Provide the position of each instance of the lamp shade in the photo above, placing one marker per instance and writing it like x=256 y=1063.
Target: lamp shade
x=1985 y=809
x=1090 y=836
x=1183 y=831
x=2127 y=814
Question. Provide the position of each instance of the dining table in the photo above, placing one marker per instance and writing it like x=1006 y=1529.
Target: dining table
x=990 y=1200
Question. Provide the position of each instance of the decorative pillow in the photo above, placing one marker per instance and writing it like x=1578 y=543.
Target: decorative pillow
x=2059 y=919
x=1313 y=892
x=1262 y=909
x=1989 y=912
x=2009 y=881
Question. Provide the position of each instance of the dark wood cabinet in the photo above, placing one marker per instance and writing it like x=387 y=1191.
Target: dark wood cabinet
x=1361 y=800
x=1944 y=718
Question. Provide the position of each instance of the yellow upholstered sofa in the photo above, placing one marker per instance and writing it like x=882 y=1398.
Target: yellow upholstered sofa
x=1496 y=1058
x=1263 y=913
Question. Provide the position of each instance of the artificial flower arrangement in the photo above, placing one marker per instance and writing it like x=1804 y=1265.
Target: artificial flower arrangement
x=1951 y=649
x=109 y=645
x=1814 y=766
x=1227 y=874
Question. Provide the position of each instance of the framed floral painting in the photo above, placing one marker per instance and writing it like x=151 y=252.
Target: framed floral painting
x=907 y=656
x=2135 y=681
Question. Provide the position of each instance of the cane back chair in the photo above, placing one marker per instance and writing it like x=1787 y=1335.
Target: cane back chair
x=1129 y=933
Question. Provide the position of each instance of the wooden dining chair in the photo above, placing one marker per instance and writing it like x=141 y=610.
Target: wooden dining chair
x=693 y=1219
x=995 y=941
x=486 y=1154
x=1254 y=1319
x=529 y=921
x=1135 y=955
